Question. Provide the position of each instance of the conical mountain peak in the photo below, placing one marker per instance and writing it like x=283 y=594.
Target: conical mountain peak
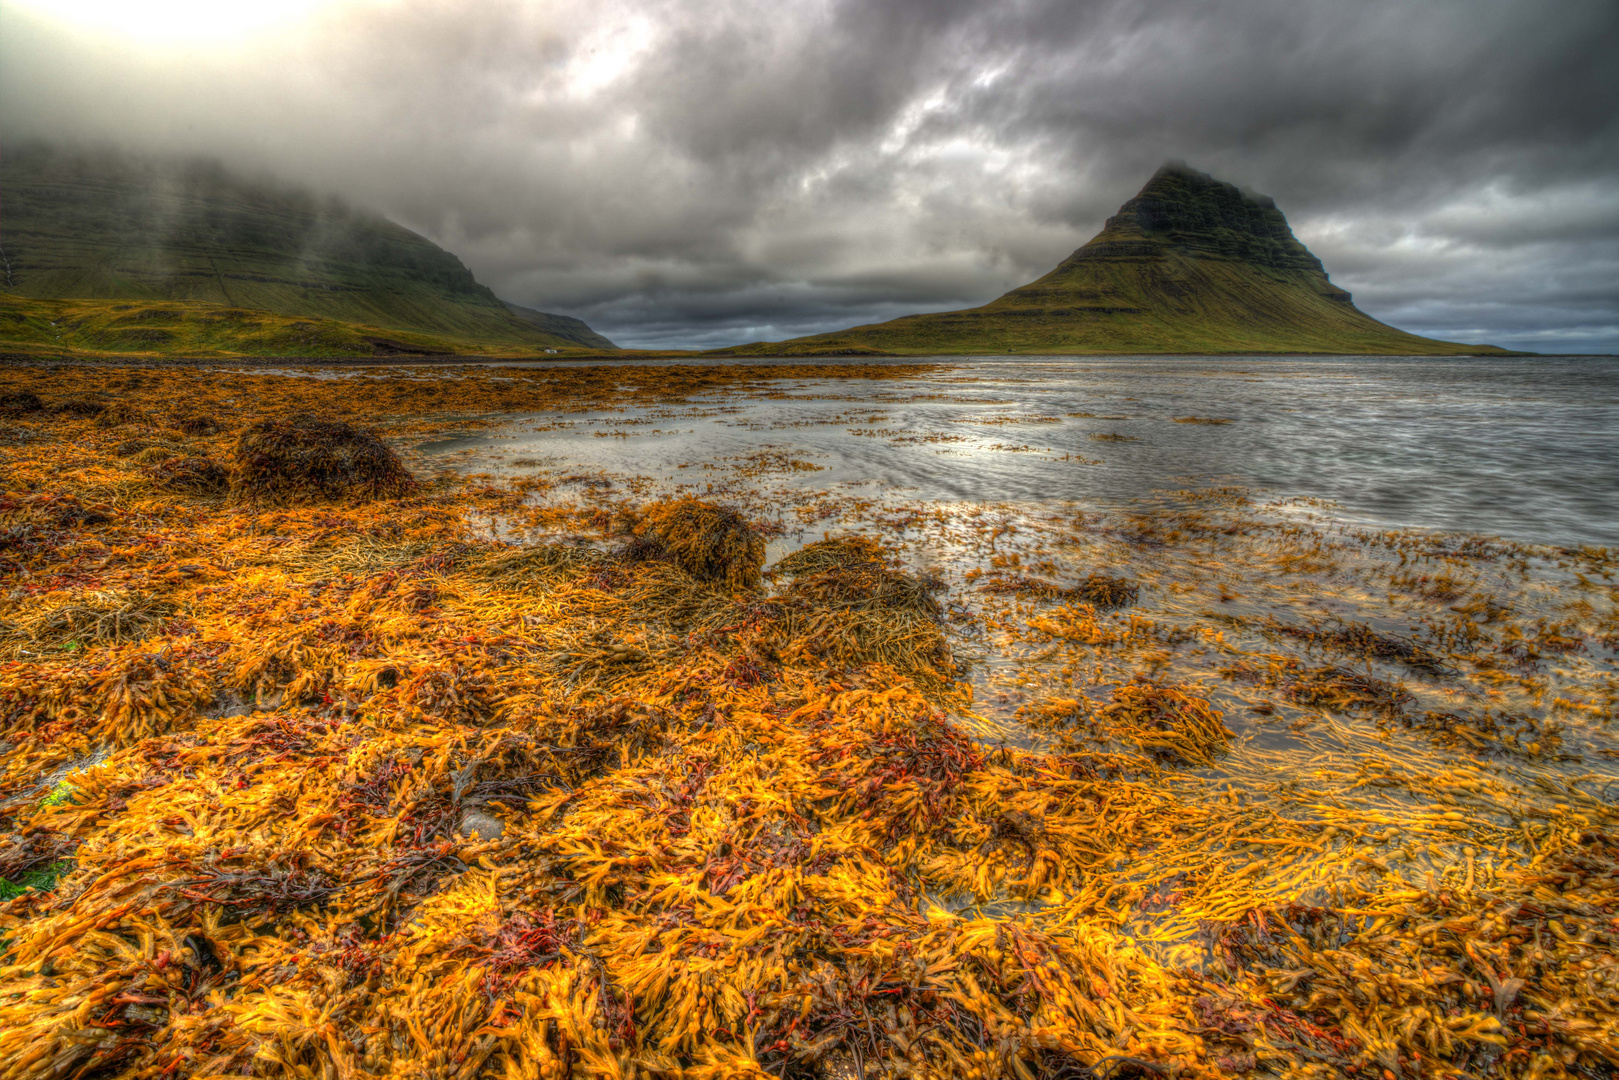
x=1194 y=215
x=1191 y=264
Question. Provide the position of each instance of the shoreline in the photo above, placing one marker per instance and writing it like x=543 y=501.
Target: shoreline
x=710 y=356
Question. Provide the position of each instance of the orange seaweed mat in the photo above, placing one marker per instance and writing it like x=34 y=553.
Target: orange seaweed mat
x=725 y=848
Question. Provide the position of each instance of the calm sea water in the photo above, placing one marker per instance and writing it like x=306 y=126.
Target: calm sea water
x=1526 y=449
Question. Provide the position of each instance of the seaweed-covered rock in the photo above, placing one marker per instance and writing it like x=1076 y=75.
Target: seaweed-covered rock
x=713 y=544
x=20 y=401
x=152 y=453
x=854 y=572
x=120 y=414
x=308 y=459
x=849 y=604
x=189 y=475
x=197 y=424
x=836 y=553
x=78 y=407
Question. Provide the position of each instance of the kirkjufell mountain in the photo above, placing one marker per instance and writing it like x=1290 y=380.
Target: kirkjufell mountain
x=1190 y=265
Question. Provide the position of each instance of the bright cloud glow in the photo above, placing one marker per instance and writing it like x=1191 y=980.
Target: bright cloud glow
x=176 y=21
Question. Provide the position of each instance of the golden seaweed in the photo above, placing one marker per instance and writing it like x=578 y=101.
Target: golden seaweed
x=327 y=781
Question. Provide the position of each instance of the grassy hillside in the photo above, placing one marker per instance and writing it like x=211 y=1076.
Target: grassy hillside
x=105 y=226
x=1190 y=265
x=576 y=331
x=196 y=328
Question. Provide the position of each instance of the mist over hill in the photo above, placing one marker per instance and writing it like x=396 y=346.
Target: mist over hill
x=100 y=224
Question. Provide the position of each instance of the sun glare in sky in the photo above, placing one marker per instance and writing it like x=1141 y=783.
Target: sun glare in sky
x=176 y=20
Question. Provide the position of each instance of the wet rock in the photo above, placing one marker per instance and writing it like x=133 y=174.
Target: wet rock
x=227 y=704
x=480 y=826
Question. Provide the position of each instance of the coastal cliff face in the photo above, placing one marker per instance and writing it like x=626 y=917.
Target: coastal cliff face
x=107 y=226
x=1189 y=265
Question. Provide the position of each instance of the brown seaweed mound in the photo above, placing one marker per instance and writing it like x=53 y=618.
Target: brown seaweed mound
x=195 y=424
x=20 y=401
x=309 y=459
x=78 y=407
x=189 y=475
x=848 y=604
x=851 y=573
x=1101 y=591
x=714 y=544
x=121 y=414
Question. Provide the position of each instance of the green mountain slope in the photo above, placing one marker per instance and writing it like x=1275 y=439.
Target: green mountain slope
x=106 y=226
x=574 y=331
x=1190 y=265
x=201 y=330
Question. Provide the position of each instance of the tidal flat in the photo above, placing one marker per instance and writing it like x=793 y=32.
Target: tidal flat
x=1058 y=720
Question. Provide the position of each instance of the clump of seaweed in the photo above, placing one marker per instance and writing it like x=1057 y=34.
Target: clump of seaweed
x=121 y=414
x=152 y=453
x=1165 y=722
x=98 y=618
x=714 y=544
x=848 y=604
x=308 y=459
x=129 y=448
x=1333 y=688
x=541 y=562
x=51 y=510
x=1358 y=639
x=1495 y=733
x=197 y=424
x=189 y=475
x=830 y=554
x=1100 y=591
x=77 y=406
x=854 y=574
x=18 y=402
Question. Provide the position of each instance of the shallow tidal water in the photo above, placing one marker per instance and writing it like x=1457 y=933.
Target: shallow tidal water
x=1522 y=448
x=1047 y=466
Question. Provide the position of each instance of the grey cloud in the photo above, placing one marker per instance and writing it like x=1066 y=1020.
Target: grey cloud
x=702 y=172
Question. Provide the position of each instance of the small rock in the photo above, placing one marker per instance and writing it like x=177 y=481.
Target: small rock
x=146 y=1014
x=480 y=826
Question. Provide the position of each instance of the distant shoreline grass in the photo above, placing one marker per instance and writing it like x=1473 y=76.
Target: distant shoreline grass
x=188 y=332
x=200 y=330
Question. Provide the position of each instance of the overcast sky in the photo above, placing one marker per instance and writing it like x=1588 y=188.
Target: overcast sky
x=696 y=173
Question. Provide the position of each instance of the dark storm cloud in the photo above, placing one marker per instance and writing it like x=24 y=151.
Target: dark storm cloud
x=702 y=173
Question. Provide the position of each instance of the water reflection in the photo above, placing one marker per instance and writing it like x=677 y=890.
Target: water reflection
x=1522 y=448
